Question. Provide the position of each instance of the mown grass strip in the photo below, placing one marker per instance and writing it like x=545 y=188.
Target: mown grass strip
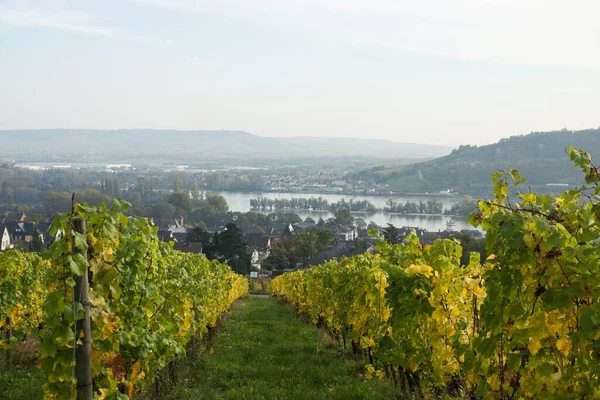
x=261 y=351
x=265 y=352
x=21 y=384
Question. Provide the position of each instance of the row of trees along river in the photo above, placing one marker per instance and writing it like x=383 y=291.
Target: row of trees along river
x=428 y=212
x=430 y=206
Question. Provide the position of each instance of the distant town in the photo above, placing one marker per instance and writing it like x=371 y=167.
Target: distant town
x=188 y=207
x=244 y=178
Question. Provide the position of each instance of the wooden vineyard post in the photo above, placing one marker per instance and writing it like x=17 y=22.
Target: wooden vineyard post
x=9 y=329
x=83 y=353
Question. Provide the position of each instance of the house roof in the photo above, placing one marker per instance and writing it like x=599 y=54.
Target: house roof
x=280 y=228
x=12 y=217
x=258 y=241
x=337 y=228
x=178 y=229
x=328 y=254
x=44 y=226
x=24 y=227
x=164 y=235
x=251 y=229
x=181 y=237
x=344 y=244
x=304 y=225
x=10 y=226
x=193 y=247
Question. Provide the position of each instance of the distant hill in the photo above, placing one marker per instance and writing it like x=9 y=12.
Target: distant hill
x=202 y=144
x=539 y=156
x=325 y=146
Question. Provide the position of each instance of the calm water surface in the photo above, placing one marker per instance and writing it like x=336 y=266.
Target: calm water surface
x=241 y=202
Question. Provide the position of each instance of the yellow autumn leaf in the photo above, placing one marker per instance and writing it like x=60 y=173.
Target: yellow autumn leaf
x=370 y=371
x=110 y=326
x=479 y=292
x=564 y=346
x=494 y=381
x=135 y=374
x=104 y=392
x=529 y=240
x=438 y=316
x=413 y=366
x=534 y=346
x=555 y=324
x=424 y=270
x=96 y=361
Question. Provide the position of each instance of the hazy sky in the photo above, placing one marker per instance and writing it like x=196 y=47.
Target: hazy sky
x=427 y=71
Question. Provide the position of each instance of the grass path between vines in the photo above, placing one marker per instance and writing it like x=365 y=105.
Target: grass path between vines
x=264 y=352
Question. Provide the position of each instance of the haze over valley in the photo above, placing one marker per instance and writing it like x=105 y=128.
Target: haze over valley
x=197 y=146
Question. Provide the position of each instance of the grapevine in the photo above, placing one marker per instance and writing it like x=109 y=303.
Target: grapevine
x=524 y=324
x=147 y=301
x=22 y=293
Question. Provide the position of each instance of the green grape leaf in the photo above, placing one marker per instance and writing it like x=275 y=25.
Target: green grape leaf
x=80 y=241
x=77 y=264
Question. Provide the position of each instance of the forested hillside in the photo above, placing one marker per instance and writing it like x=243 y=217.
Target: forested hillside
x=541 y=156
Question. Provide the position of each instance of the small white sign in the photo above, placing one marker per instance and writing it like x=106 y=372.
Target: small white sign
x=253 y=274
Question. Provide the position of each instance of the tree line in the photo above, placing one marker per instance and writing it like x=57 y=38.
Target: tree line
x=319 y=204
x=140 y=185
x=311 y=204
x=422 y=207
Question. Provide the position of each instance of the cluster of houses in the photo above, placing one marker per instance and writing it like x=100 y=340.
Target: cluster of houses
x=17 y=231
x=260 y=241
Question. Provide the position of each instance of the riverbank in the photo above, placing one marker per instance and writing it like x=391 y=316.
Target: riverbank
x=366 y=213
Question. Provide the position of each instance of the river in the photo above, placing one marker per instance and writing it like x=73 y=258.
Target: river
x=241 y=202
